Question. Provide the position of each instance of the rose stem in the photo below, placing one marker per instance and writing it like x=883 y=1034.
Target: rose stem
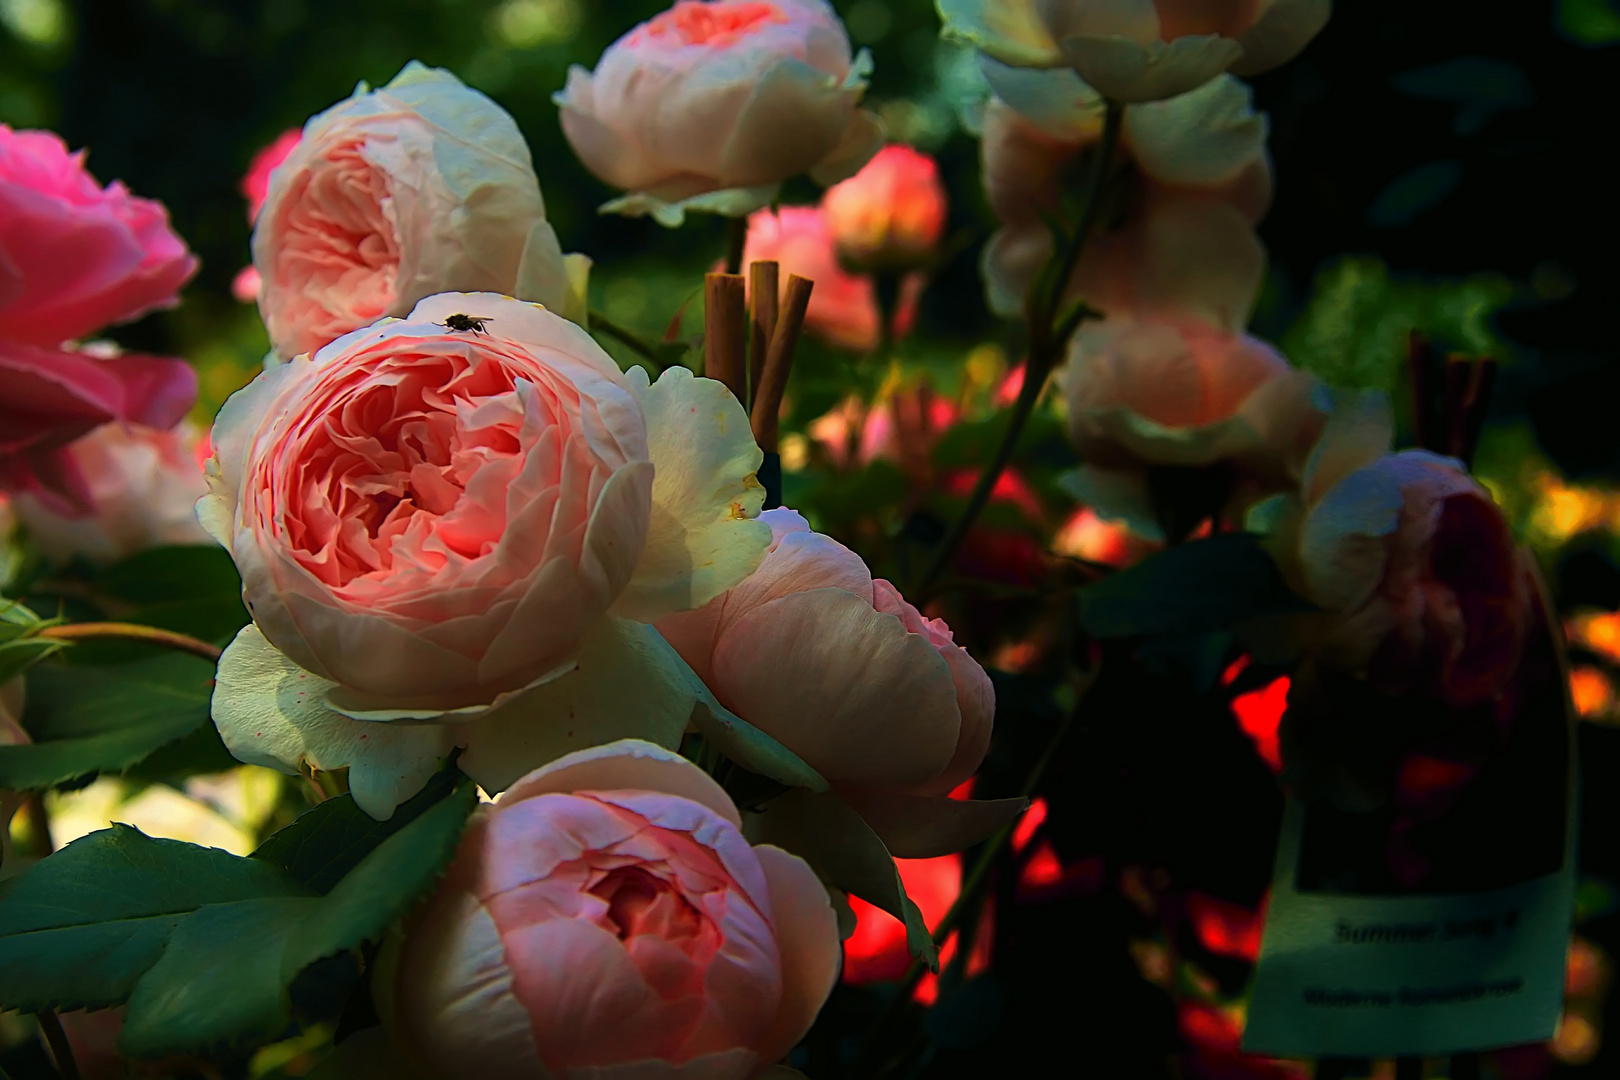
x=1049 y=336
x=1478 y=402
x=765 y=288
x=1459 y=373
x=57 y=1039
x=1418 y=374
x=39 y=824
x=635 y=342
x=150 y=635
x=736 y=240
x=779 y=362
x=725 y=315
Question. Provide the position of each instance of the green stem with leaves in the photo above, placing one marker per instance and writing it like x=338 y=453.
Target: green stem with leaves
x=147 y=635
x=1049 y=332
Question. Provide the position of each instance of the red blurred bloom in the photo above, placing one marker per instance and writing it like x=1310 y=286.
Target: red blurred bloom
x=1259 y=713
x=1225 y=928
x=256 y=184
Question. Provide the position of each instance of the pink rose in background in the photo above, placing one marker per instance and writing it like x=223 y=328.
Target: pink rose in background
x=1180 y=393
x=143 y=485
x=891 y=213
x=1186 y=241
x=607 y=917
x=421 y=187
x=843 y=307
x=431 y=523
x=713 y=103
x=840 y=668
x=74 y=257
x=255 y=189
x=1415 y=564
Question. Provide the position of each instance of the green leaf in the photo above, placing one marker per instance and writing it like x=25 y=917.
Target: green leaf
x=20 y=654
x=1201 y=586
x=193 y=589
x=105 y=719
x=224 y=979
x=751 y=748
x=327 y=842
x=16 y=620
x=80 y=927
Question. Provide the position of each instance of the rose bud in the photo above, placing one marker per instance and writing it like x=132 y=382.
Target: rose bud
x=891 y=214
x=431 y=522
x=843 y=306
x=424 y=186
x=75 y=257
x=607 y=917
x=713 y=103
x=1140 y=50
x=143 y=486
x=1423 y=588
x=1143 y=395
x=1184 y=234
x=815 y=652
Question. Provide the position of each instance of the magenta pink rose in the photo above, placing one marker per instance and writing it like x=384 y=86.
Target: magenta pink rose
x=74 y=256
x=607 y=918
x=840 y=668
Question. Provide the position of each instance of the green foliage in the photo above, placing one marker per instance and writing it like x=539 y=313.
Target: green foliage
x=1590 y=22
x=191 y=589
x=224 y=979
x=86 y=720
x=19 y=650
x=1206 y=585
x=81 y=927
x=1353 y=333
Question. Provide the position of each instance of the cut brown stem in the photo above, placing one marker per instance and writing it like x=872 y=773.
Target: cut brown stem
x=725 y=328
x=766 y=414
x=765 y=293
x=149 y=635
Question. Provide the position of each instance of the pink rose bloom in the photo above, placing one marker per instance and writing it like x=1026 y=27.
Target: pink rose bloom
x=1180 y=393
x=74 y=257
x=421 y=187
x=891 y=213
x=713 y=103
x=1139 y=50
x=1186 y=241
x=840 y=668
x=843 y=308
x=606 y=917
x=255 y=189
x=431 y=522
x=143 y=483
x=1424 y=586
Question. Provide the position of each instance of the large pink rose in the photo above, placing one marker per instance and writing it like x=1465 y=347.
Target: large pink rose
x=843 y=307
x=607 y=918
x=431 y=522
x=891 y=213
x=75 y=256
x=840 y=668
x=143 y=484
x=421 y=187
x=1424 y=587
x=713 y=103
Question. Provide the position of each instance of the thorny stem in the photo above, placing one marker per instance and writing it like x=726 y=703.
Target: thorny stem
x=57 y=1040
x=1048 y=339
x=629 y=338
x=150 y=635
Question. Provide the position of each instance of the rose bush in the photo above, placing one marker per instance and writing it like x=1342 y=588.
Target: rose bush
x=686 y=951
x=713 y=103
x=420 y=187
x=75 y=257
x=1139 y=50
x=459 y=526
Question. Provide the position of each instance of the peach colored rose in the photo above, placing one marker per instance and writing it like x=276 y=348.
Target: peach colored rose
x=1180 y=393
x=891 y=213
x=431 y=523
x=840 y=668
x=421 y=187
x=1424 y=588
x=1139 y=50
x=713 y=103
x=143 y=485
x=843 y=307
x=1200 y=181
x=74 y=257
x=255 y=189
x=606 y=917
